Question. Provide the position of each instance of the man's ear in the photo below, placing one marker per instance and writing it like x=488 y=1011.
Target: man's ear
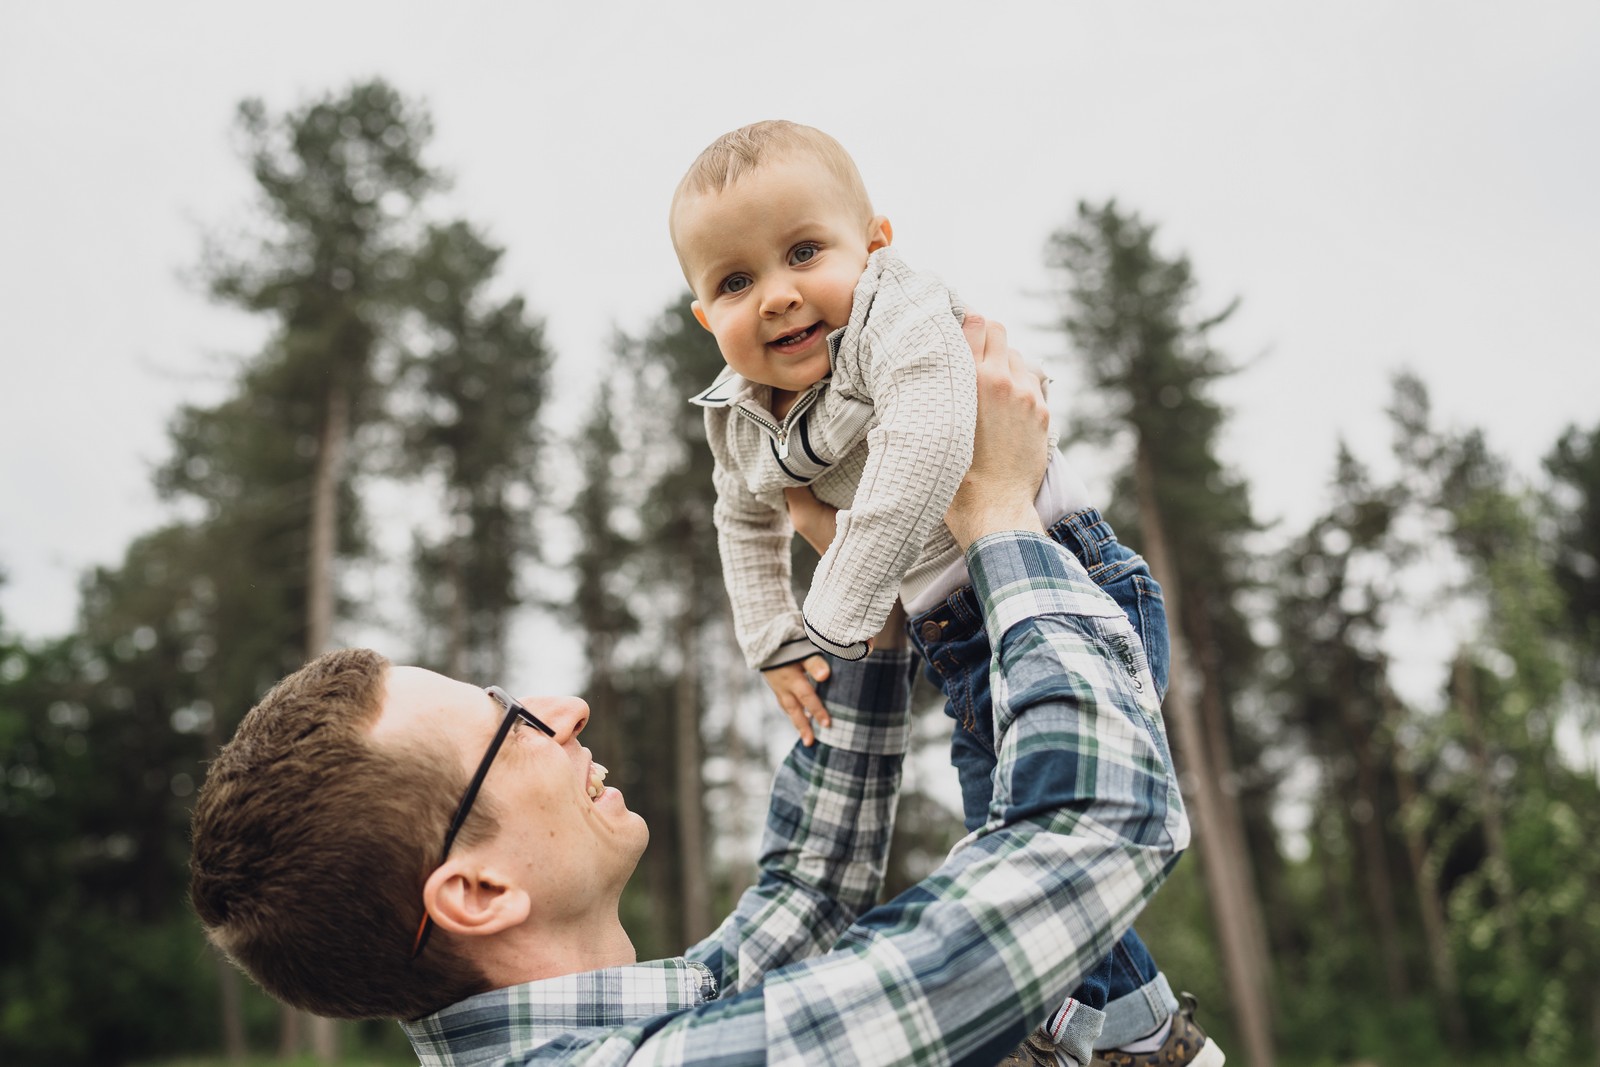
x=699 y=314
x=879 y=233
x=472 y=900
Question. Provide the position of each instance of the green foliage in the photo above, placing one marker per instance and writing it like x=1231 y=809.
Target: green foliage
x=1574 y=504
x=102 y=745
x=1501 y=810
x=482 y=370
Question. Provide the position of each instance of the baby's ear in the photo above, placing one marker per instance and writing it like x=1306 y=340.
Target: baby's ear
x=879 y=233
x=699 y=314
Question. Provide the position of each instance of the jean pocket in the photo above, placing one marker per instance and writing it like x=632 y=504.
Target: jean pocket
x=1149 y=615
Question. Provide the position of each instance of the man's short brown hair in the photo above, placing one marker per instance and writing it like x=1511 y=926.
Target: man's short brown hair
x=735 y=154
x=311 y=846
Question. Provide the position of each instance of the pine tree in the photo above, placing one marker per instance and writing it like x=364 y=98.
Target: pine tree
x=482 y=371
x=1129 y=311
x=338 y=180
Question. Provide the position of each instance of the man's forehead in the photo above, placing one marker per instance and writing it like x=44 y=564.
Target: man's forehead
x=419 y=702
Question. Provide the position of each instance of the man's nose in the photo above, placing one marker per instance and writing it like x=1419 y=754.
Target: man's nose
x=567 y=716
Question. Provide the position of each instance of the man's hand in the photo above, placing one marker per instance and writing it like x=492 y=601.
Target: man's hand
x=1011 y=448
x=798 y=697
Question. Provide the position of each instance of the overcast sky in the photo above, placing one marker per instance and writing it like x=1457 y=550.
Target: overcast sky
x=1384 y=184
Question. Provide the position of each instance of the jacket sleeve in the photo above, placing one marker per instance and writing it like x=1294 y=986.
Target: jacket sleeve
x=915 y=364
x=753 y=541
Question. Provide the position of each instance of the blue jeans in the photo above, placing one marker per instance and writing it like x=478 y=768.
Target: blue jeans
x=955 y=648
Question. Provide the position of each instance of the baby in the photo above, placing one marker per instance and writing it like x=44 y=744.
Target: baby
x=848 y=372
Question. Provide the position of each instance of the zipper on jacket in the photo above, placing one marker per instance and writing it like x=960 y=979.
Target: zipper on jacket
x=779 y=431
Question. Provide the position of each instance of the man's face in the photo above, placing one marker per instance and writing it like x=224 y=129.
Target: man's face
x=570 y=850
x=773 y=261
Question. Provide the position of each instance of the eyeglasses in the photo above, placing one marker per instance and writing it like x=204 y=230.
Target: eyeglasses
x=514 y=712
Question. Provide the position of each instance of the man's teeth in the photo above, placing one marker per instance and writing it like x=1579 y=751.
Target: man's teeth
x=597 y=780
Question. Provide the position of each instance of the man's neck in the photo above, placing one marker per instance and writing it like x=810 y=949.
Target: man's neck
x=533 y=951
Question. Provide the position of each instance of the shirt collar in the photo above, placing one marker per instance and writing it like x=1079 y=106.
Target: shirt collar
x=726 y=391
x=490 y=1025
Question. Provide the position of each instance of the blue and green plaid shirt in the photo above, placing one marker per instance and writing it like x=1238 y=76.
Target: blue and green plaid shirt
x=1086 y=821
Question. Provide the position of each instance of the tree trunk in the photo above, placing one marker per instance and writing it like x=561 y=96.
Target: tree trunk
x=233 y=1040
x=1369 y=825
x=736 y=811
x=690 y=800
x=323 y=1033
x=1218 y=731
x=291 y=1032
x=1465 y=688
x=1435 y=930
x=1224 y=867
x=323 y=541
x=456 y=638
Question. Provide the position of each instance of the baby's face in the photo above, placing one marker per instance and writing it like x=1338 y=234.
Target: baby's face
x=773 y=261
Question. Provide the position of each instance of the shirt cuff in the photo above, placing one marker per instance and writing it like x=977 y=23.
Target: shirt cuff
x=852 y=651
x=794 y=650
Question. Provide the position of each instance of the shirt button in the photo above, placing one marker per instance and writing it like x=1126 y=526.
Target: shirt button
x=931 y=630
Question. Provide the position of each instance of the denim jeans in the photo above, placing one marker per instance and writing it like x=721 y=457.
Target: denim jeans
x=955 y=649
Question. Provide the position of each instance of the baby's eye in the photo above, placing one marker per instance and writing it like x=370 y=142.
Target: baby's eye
x=734 y=283
x=802 y=254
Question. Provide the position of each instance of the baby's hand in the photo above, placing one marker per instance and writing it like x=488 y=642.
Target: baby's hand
x=796 y=695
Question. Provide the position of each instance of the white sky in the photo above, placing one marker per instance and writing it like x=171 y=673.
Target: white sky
x=1384 y=184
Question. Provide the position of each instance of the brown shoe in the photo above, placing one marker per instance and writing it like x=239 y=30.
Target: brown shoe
x=1036 y=1050
x=1186 y=1046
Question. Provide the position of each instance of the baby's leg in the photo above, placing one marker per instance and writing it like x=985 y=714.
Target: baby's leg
x=1125 y=575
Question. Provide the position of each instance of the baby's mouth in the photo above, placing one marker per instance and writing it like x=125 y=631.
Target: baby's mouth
x=798 y=337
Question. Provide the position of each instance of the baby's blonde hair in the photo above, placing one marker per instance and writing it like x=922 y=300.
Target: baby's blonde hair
x=739 y=152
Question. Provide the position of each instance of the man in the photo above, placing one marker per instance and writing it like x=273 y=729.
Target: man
x=317 y=840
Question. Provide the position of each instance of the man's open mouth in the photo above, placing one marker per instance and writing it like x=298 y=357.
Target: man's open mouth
x=597 y=780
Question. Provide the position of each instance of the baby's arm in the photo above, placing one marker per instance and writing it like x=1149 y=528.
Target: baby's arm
x=817 y=523
x=753 y=541
x=921 y=381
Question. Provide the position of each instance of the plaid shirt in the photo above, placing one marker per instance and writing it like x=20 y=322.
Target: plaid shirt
x=1086 y=821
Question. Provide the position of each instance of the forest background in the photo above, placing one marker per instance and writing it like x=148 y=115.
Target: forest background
x=366 y=357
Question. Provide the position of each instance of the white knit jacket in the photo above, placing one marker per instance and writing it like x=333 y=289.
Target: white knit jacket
x=886 y=439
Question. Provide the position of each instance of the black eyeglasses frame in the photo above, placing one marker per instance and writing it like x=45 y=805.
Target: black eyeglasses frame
x=514 y=712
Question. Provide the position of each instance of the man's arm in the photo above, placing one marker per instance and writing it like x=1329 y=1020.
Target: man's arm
x=957 y=969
